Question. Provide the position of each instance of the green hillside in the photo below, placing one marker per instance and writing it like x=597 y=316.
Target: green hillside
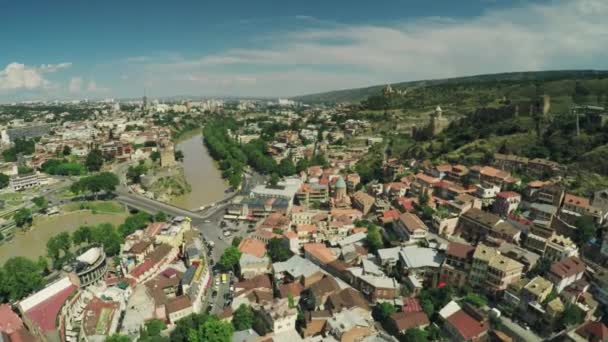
x=516 y=84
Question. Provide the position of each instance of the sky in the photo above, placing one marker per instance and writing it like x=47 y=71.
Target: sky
x=78 y=49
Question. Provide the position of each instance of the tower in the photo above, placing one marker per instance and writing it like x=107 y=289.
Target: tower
x=340 y=189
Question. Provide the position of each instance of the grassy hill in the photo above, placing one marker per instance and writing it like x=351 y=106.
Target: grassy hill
x=556 y=83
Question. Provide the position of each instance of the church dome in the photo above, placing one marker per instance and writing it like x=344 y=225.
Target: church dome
x=340 y=184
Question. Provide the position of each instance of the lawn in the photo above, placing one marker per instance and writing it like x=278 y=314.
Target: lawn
x=106 y=207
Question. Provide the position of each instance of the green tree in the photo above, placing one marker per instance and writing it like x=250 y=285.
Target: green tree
x=230 y=258
x=586 y=229
x=4 y=180
x=476 y=300
x=83 y=234
x=184 y=325
x=383 y=311
x=118 y=338
x=414 y=335
x=67 y=150
x=374 y=238
x=212 y=330
x=101 y=182
x=179 y=155
x=243 y=318
x=153 y=328
x=301 y=165
x=134 y=222
x=19 y=278
x=134 y=173
x=94 y=160
x=160 y=217
x=572 y=316
x=40 y=202
x=24 y=170
x=105 y=234
x=277 y=250
x=23 y=217
x=155 y=156
x=57 y=244
x=274 y=180
x=286 y=167
x=236 y=241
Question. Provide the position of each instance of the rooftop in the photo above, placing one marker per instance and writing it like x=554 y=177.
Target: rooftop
x=252 y=246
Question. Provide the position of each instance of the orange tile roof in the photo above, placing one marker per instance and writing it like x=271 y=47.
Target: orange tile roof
x=320 y=252
x=253 y=247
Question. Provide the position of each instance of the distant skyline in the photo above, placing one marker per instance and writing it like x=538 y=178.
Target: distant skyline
x=114 y=49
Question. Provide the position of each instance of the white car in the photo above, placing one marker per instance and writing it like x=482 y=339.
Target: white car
x=227 y=233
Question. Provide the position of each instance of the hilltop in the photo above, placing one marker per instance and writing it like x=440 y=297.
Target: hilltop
x=492 y=81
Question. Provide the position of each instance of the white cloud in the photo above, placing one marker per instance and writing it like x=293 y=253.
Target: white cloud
x=75 y=85
x=558 y=35
x=94 y=88
x=16 y=76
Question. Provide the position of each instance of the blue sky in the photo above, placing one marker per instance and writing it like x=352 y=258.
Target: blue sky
x=98 y=49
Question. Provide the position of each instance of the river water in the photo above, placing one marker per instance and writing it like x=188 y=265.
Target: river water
x=202 y=174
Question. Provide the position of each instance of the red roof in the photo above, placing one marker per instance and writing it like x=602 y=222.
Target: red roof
x=9 y=321
x=593 y=331
x=45 y=313
x=142 y=268
x=508 y=194
x=460 y=250
x=467 y=326
x=411 y=305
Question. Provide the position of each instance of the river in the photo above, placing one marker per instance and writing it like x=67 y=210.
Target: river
x=202 y=174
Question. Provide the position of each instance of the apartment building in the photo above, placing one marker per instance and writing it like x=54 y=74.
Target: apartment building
x=493 y=271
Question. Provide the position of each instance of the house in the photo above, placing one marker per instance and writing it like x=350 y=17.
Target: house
x=506 y=202
x=252 y=247
x=400 y=322
x=463 y=323
x=178 y=308
x=421 y=262
x=319 y=254
x=492 y=271
x=588 y=332
x=363 y=201
x=251 y=266
x=318 y=292
x=536 y=290
x=565 y=272
x=476 y=225
x=410 y=227
x=559 y=247
x=350 y=325
x=346 y=299
x=457 y=264
x=279 y=315
x=297 y=268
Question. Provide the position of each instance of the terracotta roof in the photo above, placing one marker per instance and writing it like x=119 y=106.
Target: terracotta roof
x=444 y=168
x=407 y=320
x=140 y=247
x=260 y=281
x=320 y=252
x=467 y=326
x=325 y=286
x=507 y=194
x=426 y=178
x=294 y=289
x=411 y=305
x=460 y=250
x=253 y=247
x=576 y=201
x=178 y=304
x=567 y=267
x=412 y=222
x=9 y=321
x=347 y=298
x=593 y=331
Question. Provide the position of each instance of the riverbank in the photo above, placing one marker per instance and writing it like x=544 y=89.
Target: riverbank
x=32 y=244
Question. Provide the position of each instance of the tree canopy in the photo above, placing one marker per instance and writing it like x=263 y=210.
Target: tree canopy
x=19 y=277
x=94 y=160
x=277 y=250
x=230 y=258
x=23 y=217
x=243 y=318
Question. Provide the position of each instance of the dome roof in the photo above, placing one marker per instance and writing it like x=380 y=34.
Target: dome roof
x=340 y=184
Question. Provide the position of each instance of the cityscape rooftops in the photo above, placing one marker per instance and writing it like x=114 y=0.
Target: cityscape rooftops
x=567 y=267
x=296 y=266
